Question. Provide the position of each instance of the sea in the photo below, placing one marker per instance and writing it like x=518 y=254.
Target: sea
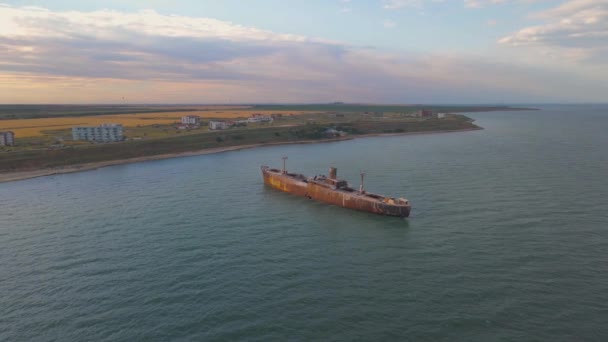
x=507 y=241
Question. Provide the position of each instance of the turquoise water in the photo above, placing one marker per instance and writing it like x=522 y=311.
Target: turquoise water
x=507 y=241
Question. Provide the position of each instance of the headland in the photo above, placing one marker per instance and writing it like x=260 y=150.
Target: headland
x=52 y=151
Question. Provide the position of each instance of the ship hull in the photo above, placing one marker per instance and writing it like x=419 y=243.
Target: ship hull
x=347 y=199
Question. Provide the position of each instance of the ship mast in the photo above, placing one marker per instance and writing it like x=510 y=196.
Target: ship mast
x=284 y=169
x=361 y=190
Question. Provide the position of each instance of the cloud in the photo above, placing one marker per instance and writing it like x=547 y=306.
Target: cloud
x=136 y=44
x=577 y=28
x=101 y=56
x=399 y=4
x=482 y=3
x=389 y=24
x=396 y=4
x=108 y=24
x=485 y=3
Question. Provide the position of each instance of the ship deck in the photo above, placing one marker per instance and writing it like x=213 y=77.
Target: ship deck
x=323 y=181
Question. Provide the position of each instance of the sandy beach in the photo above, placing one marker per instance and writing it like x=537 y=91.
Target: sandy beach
x=21 y=175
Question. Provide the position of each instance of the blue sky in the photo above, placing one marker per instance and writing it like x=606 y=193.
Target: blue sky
x=385 y=51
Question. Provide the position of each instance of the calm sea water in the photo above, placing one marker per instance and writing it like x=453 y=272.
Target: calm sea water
x=507 y=241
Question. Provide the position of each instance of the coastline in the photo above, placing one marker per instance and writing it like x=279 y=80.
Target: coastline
x=22 y=175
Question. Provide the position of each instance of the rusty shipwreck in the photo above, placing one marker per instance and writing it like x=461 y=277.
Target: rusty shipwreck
x=335 y=191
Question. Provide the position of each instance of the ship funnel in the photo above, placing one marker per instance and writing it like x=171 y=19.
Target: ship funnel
x=333 y=173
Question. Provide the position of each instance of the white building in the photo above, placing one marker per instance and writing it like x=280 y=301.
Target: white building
x=440 y=115
x=7 y=138
x=191 y=120
x=260 y=118
x=218 y=125
x=103 y=133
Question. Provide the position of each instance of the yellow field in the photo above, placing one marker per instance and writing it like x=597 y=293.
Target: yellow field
x=36 y=127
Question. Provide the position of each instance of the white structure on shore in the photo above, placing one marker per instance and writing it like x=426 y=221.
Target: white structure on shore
x=260 y=118
x=7 y=138
x=218 y=125
x=194 y=120
x=103 y=133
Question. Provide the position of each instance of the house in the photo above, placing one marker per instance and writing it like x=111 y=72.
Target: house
x=260 y=118
x=333 y=133
x=7 y=138
x=193 y=120
x=102 y=133
x=330 y=132
x=215 y=125
x=424 y=113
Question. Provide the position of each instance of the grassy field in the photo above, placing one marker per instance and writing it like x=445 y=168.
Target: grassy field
x=349 y=108
x=45 y=158
x=24 y=128
x=53 y=111
x=43 y=133
x=53 y=122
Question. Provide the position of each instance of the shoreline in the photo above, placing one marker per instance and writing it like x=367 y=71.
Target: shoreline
x=22 y=175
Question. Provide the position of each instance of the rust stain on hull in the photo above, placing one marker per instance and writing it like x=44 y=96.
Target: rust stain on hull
x=335 y=191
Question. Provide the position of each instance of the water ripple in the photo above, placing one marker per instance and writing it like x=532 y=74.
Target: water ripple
x=506 y=241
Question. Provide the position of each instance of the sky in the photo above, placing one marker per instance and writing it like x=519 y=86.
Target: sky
x=304 y=51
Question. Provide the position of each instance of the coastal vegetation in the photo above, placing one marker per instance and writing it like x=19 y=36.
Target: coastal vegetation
x=54 y=111
x=38 y=127
x=51 y=121
x=296 y=128
x=371 y=108
x=44 y=137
